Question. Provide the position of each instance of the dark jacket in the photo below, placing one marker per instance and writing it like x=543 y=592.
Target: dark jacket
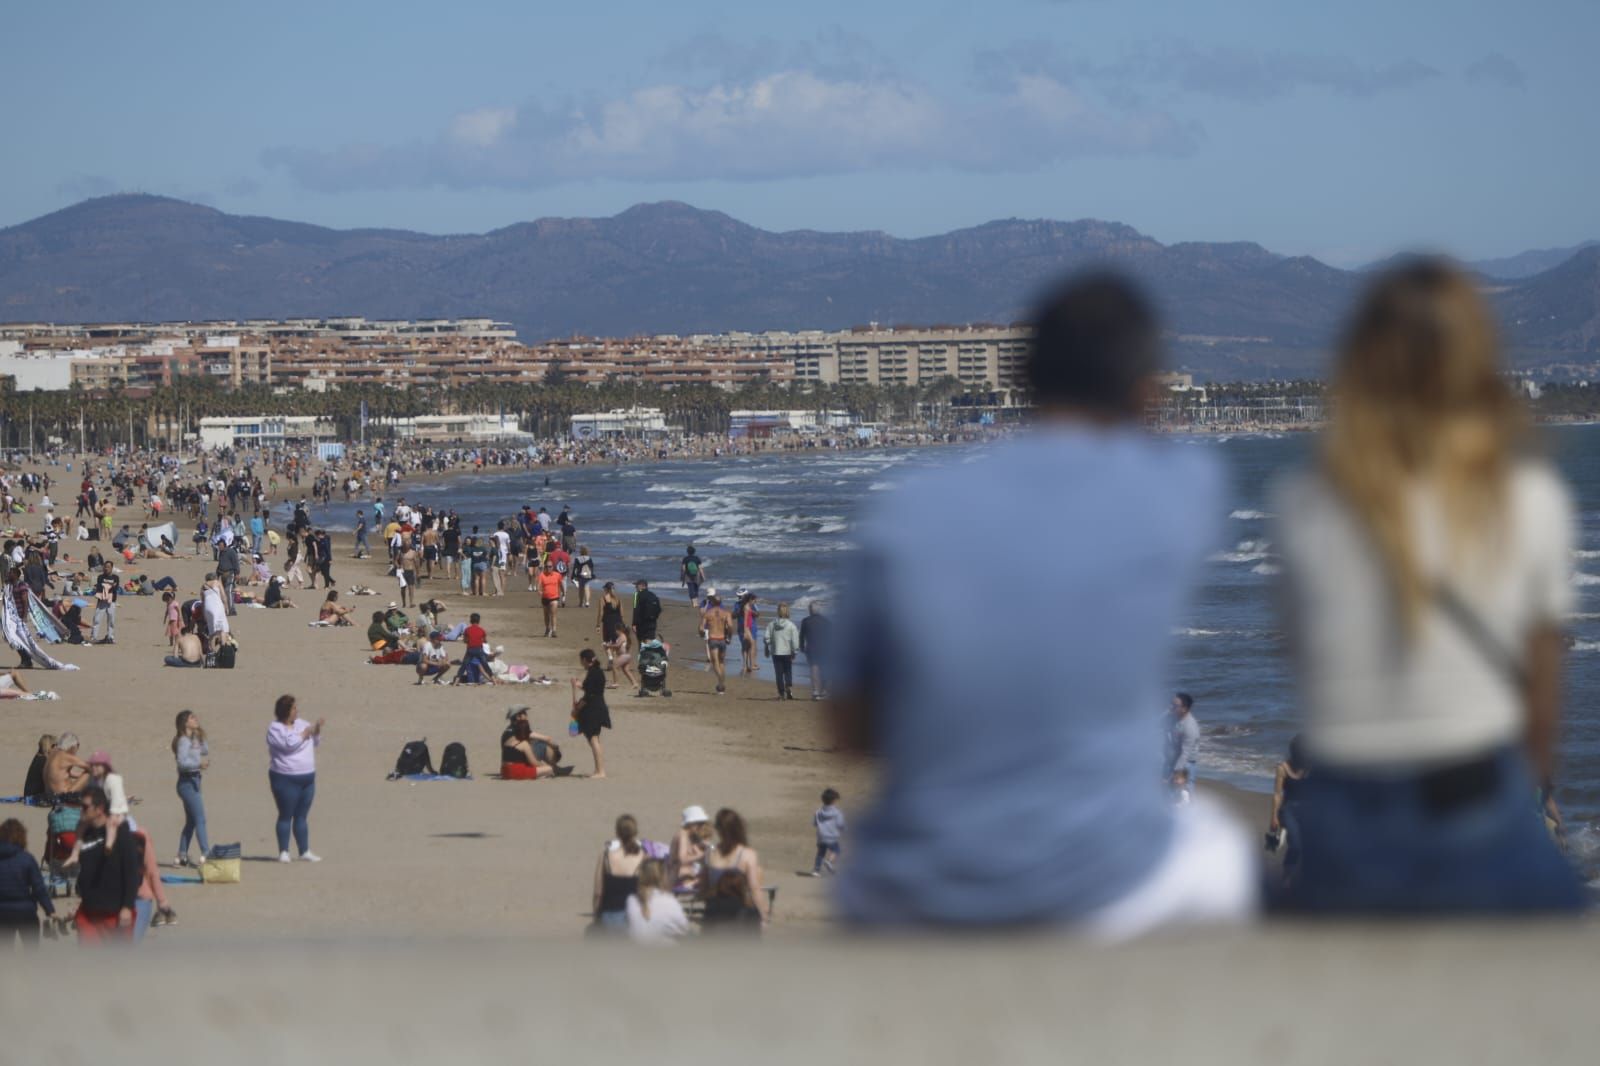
x=34 y=785
x=108 y=883
x=646 y=611
x=21 y=884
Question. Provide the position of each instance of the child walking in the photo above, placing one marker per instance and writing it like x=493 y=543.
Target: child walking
x=829 y=821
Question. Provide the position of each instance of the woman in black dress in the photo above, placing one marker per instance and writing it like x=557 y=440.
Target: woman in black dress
x=589 y=708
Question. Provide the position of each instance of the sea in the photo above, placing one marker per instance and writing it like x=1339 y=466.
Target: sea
x=779 y=525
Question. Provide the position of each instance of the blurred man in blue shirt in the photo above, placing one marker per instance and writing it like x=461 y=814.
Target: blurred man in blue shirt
x=1048 y=812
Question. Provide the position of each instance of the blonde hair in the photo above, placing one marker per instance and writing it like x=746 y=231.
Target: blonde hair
x=652 y=876
x=1418 y=399
x=783 y=610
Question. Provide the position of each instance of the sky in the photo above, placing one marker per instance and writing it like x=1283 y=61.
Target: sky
x=1343 y=129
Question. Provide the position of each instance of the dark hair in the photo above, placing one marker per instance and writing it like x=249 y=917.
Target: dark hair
x=1297 y=755
x=475 y=619
x=281 y=709
x=1095 y=338
x=587 y=656
x=734 y=885
x=730 y=827
x=94 y=796
x=378 y=616
x=1186 y=699
x=829 y=796
x=14 y=833
x=520 y=728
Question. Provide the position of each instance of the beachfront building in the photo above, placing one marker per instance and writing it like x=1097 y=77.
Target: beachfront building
x=262 y=431
x=619 y=422
x=760 y=425
x=473 y=428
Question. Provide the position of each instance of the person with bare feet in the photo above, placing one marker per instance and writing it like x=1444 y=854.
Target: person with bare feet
x=589 y=708
x=718 y=627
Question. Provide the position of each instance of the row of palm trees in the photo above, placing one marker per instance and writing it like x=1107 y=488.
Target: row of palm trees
x=164 y=417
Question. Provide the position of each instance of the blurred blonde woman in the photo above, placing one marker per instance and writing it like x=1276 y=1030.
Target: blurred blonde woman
x=1426 y=577
x=654 y=914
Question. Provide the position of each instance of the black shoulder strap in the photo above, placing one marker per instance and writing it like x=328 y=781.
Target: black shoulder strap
x=1508 y=665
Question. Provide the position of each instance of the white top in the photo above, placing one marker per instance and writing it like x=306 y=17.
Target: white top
x=1372 y=696
x=116 y=794
x=666 y=923
x=293 y=752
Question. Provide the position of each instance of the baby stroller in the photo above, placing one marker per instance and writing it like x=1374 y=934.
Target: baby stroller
x=653 y=668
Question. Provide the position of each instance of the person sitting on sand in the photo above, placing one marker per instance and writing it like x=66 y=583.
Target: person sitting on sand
x=520 y=753
x=616 y=876
x=545 y=751
x=686 y=854
x=433 y=659
x=733 y=854
x=334 y=612
x=654 y=914
x=12 y=686
x=64 y=772
x=379 y=635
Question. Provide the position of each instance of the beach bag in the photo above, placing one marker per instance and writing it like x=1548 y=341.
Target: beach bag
x=225 y=657
x=414 y=759
x=453 y=763
x=222 y=865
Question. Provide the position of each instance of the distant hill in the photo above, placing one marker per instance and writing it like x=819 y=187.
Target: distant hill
x=1237 y=309
x=1527 y=264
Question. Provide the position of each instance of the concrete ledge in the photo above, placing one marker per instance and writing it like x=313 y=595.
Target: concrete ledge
x=1349 y=994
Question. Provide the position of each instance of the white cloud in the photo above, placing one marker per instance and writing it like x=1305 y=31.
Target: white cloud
x=790 y=123
x=482 y=128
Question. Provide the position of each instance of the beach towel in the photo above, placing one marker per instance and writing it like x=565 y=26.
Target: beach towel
x=180 y=879
x=431 y=777
x=17 y=633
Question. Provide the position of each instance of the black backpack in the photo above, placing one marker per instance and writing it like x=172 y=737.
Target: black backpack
x=414 y=759
x=453 y=763
x=224 y=658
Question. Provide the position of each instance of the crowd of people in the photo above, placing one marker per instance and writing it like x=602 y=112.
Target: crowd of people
x=1426 y=566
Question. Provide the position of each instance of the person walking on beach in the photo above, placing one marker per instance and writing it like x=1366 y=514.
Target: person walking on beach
x=550 y=584
x=1427 y=561
x=745 y=615
x=193 y=757
x=1107 y=853
x=325 y=557
x=583 y=573
x=689 y=574
x=829 y=823
x=22 y=891
x=589 y=708
x=783 y=644
x=614 y=635
x=718 y=624
x=646 y=611
x=106 y=591
x=362 y=551
x=292 y=744
x=1284 y=826
x=814 y=646
x=228 y=572
x=1183 y=746
x=109 y=873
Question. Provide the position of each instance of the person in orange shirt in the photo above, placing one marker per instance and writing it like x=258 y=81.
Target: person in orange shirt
x=550 y=584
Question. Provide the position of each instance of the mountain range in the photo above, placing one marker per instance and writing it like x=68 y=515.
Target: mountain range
x=1235 y=309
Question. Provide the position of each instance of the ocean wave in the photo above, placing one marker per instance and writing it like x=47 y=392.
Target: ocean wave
x=1583 y=580
x=1249 y=516
x=1586 y=645
x=1189 y=631
x=880 y=486
x=1266 y=569
x=1586 y=553
x=833 y=527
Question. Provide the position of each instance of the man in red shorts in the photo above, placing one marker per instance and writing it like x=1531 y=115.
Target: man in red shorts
x=108 y=875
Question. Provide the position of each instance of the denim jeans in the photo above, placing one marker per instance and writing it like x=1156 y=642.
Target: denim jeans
x=783 y=672
x=194 y=815
x=143 y=911
x=1468 y=840
x=109 y=613
x=293 y=793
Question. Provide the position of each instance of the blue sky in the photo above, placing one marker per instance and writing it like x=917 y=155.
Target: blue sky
x=1345 y=129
